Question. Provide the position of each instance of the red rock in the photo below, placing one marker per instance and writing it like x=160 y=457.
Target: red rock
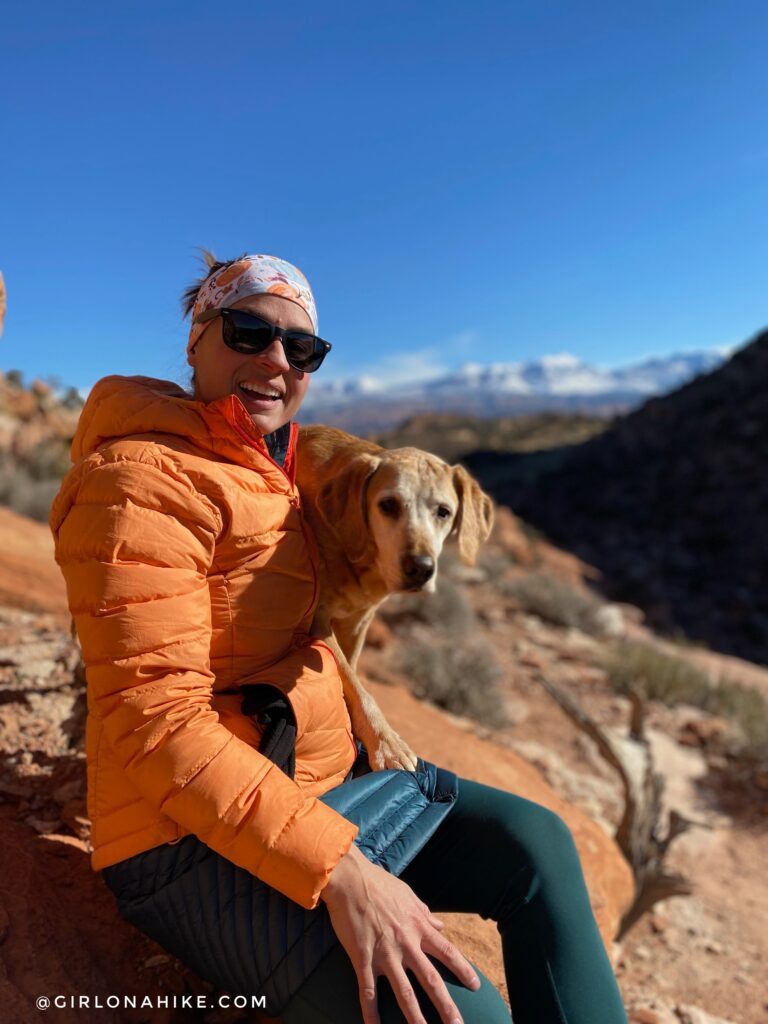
x=701 y=732
x=644 y=1016
x=533 y=660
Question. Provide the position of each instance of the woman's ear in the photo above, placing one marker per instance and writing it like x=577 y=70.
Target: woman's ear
x=343 y=504
x=474 y=520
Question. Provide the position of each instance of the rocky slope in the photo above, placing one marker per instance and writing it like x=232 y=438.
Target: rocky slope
x=50 y=902
x=59 y=932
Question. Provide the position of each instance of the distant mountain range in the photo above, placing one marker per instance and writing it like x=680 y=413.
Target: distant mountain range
x=669 y=503
x=561 y=382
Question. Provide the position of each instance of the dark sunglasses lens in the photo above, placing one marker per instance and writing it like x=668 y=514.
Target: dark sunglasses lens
x=247 y=334
x=304 y=351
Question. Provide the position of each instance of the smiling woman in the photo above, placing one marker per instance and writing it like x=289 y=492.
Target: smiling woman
x=233 y=815
x=276 y=299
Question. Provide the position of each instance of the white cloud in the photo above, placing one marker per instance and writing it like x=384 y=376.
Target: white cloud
x=417 y=365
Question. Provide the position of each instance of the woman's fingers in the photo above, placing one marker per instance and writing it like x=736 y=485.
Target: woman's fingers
x=405 y=996
x=434 y=985
x=366 y=981
x=443 y=950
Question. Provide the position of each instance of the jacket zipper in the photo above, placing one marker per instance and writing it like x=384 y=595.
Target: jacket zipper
x=315 y=577
x=295 y=501
x=263 y=452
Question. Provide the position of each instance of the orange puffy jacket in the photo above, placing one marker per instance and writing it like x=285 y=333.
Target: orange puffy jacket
x=190 y=571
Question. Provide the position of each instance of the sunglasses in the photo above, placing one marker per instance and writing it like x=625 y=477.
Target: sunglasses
x=249 y=334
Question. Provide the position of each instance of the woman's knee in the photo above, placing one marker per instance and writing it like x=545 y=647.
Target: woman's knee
x=540 y=839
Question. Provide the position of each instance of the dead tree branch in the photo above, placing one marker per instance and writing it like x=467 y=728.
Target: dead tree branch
x=637 y=834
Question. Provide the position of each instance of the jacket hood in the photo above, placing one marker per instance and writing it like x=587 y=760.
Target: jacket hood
x=119 y=407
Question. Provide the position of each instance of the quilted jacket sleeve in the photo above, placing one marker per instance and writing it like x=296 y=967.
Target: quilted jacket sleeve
x=134 y=541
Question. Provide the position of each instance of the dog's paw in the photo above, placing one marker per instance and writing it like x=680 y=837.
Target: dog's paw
x=389 y=750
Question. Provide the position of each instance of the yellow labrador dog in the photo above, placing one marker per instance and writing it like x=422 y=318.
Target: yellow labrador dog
x=380 y=517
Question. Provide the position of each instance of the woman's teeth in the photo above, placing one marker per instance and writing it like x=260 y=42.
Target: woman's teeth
x=260 y=392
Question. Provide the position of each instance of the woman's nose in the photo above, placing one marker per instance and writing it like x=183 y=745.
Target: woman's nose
x=274 y=356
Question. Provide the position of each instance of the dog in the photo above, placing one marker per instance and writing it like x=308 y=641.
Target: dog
x=380 y=517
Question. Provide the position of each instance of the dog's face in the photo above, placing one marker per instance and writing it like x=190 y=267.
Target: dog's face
x=413 y=501
x=412 y=506
x=394 y=510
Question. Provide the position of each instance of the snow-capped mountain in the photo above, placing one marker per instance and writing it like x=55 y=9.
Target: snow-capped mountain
x=555 y=381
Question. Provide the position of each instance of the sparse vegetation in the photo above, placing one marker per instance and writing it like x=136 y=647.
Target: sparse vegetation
x=439 y=657
x=663 y=677
x=460 y=677
x=447 y=610
x=493 y=563
x=554 y=601
x=21 y=491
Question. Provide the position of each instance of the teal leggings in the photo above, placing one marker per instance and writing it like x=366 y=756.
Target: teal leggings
x=514 y=862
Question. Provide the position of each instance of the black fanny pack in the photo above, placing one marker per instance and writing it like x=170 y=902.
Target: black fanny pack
x=272 y=709
x=269 y=706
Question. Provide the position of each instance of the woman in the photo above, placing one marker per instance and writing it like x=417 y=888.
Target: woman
x=190 y=575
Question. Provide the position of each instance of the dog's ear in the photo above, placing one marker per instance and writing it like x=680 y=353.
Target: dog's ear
x=343 y=504
x=474 y=519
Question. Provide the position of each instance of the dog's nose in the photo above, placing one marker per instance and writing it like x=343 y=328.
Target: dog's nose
x=418 y=569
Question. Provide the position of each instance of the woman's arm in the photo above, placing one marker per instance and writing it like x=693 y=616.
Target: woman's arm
x=135 y=542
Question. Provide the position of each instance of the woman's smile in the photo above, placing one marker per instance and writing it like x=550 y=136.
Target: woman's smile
x=257 y=396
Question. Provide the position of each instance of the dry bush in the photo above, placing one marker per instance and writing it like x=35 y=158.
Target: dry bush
x=554 y=601
x=29 y=481
x=663 y=677
x=439 y=656
x=447 y=609
x=493 y=564
x=24 y=493
x=463 y=678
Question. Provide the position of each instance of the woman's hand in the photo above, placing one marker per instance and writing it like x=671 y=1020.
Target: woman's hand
x=386 y=929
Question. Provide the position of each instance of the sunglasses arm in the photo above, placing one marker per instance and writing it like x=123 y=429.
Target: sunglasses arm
x=203 y=318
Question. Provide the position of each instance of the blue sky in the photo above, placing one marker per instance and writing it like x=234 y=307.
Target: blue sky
x=482 y=182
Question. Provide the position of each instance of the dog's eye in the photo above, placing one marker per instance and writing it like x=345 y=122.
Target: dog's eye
x=389 y=507
x=442 y=512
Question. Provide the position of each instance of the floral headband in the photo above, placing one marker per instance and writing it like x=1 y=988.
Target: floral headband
x=252 y=275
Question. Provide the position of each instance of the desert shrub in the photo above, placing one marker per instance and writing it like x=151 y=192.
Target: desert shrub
x=554 y=601
x=462 y=678
x=658 y=676
x=446 y=610
x=48 y=460
x=671 y=680
x=25 y=494
x=438 y=658
x=748 y=710
x=491 y=561
x=495 y=563
x=72 y=399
